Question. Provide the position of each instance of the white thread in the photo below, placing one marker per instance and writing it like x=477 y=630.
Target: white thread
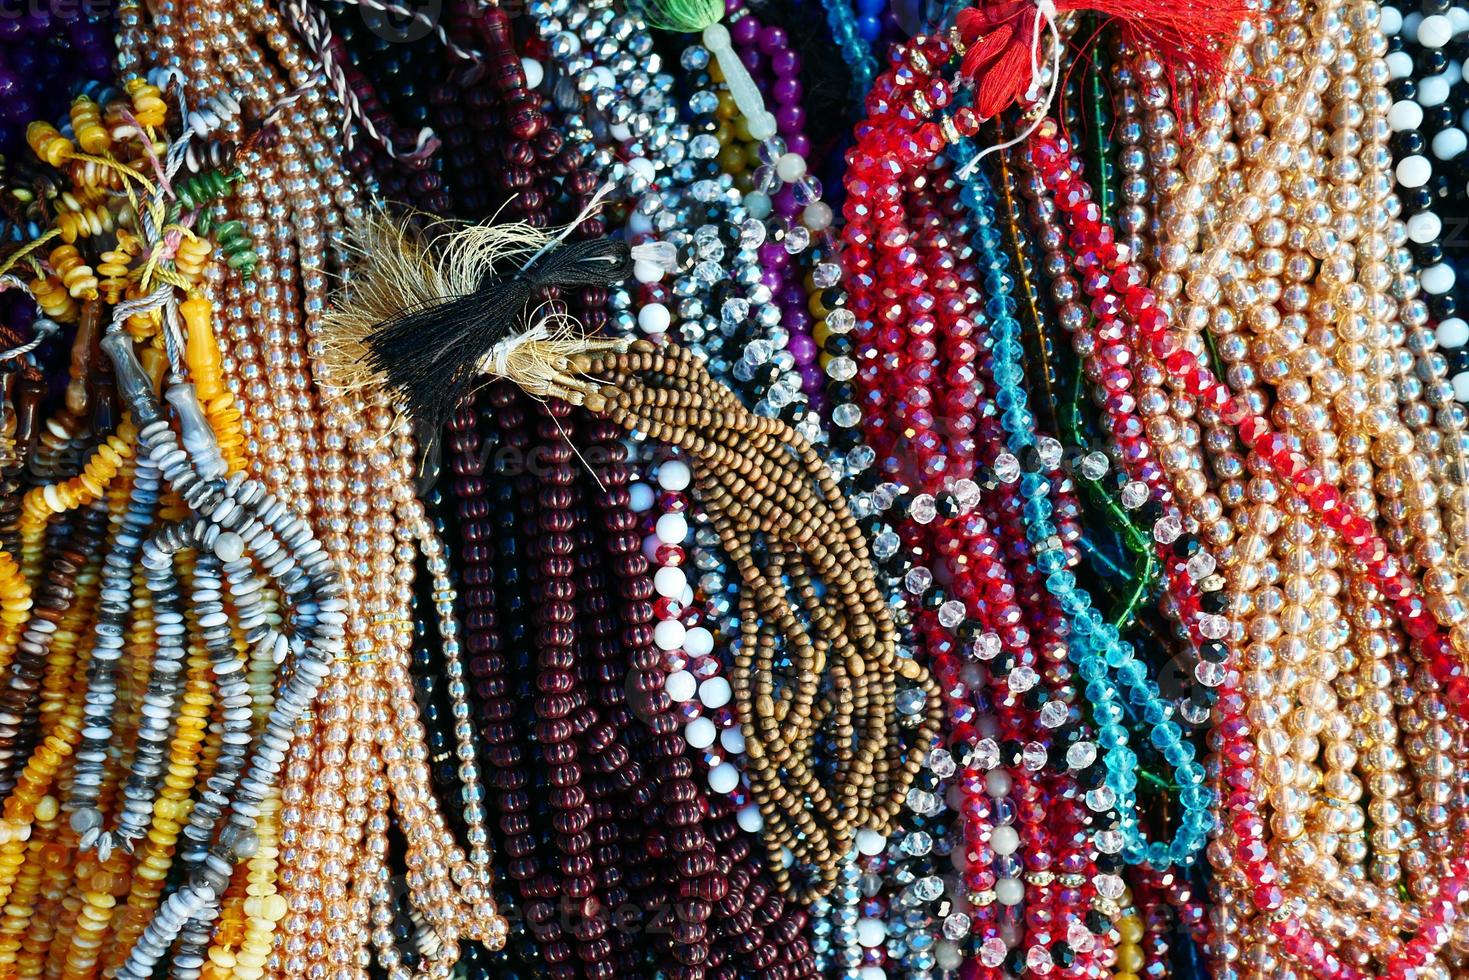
x=1045 y=14
x=586 y=212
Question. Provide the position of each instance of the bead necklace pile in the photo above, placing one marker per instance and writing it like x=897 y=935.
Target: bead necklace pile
x=734 y=488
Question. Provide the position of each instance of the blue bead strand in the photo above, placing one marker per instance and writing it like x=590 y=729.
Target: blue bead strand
x=1096 y=647
x=855 y=43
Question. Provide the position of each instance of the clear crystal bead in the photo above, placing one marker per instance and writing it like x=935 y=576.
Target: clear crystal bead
x=861 y=457
x=1167 y=530
x=1049 y=451
x=841 y=369
x=1033 y=756
x=797 y=240
x=1193 y=712
x=951 y=614
x=986 y=754
x=966 y=493
x=987 y=647
x=752 y=233
x=918 y=580
x=886 y=544
x=1038 y=959
x=1022 y=679
x=942 y=763
x=1109 y=841
x=923 y=509
x=1080 y=938
x=1007 y=468
x=1081 y=754
x=1094 y=465
x=1201 y=565
x=916 y=844
x=841 y=321
x=1110 y=886
x=956 y=926
x=826 y=275
x=911 y=701
x=1134 y=495
x=1214 y=627
x=1101 y=799
x=922 y=802
x=1054 y=713
x=929 y=888
x=758 y=351
x=992 y=952
x=1209 y=674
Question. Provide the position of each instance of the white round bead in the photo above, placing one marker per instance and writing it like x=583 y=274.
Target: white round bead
x=1433 y=90
x=639 y=497
x=872 y=973
x=669 y=581
x=1390 y=20
x=733 y=740
x=681 y=686
x=997 y=783
x=1437 y=279
x=1405 y=114
x=1009 y=891
x=1411 y=20
x=671 y=528
x=1434 y=31
x=723 y=778
x=1449 y=143
x=1453 y=332
x=791 y=167
x=871 y=933
x=700 y=733
x=750 y=819
x=229 y=546
x=817 y=216
x=715 y=692
x=1414 y=171
x=870 y=843
x=668 y=635
x=647 y=271
x=698 y=642
x=644 y=168
x=1459 y=18
x=1424 y=227
x=674 y=474
x=1461 y=386
x=1004 y=840
x=1399 y=64
x=654 y=318
x=534 y=73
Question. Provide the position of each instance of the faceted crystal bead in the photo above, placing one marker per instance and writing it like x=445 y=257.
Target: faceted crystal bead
x=942 y=763
x=923 y=509
x=1134 y=494
x=918 y=580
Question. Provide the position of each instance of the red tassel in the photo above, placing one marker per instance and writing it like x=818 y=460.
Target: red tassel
x=999 y=35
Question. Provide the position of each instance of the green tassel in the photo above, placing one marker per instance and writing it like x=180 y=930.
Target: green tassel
x=681 y=16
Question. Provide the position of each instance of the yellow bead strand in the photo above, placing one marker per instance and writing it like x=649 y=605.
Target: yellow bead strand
x=75 y=273
x=86 y=124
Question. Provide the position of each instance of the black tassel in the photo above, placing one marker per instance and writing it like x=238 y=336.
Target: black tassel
x=429 y=356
